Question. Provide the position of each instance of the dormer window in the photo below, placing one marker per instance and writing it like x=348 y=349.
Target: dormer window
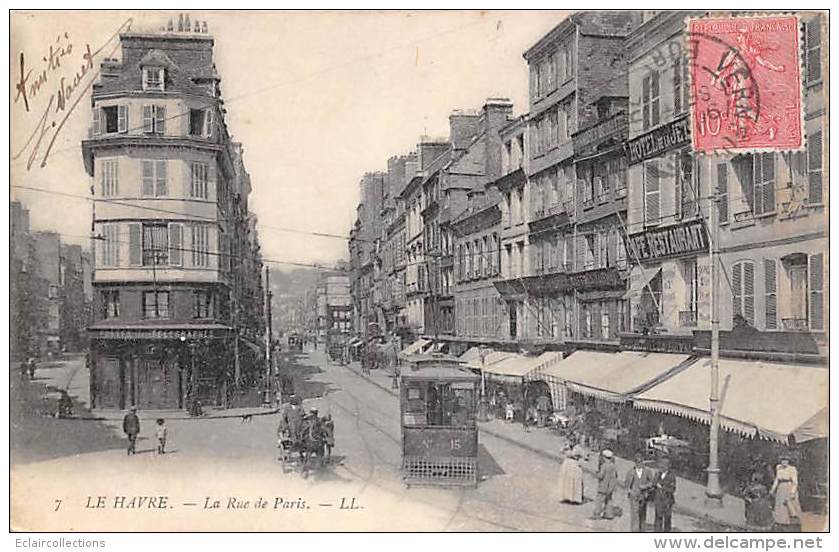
x=153 y=78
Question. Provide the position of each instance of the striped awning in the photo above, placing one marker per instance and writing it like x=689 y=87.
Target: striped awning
x=771 y=400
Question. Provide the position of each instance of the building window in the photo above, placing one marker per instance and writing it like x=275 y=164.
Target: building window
x=686 y=186
x=113 y=119
x=813 y=49
x=201 y=122
x=110 y=304
x=203 y=304
x=153 y=78
x=154 y=119
x=176 y=234
x=743 y=291
x=690 y=275
x=650 y=100
x=681 y=90
x=155 y=178
x=604 y=321
x=652 y=192
x=722 y=192
x=110 y=177
x=156 y=304
x=110 y=245
x=155 y=244
x=200 y=178
x=814 y=168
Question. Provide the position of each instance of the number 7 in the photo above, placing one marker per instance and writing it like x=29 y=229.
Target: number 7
x=57 y=504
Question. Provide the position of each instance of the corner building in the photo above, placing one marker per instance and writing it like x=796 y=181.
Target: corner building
x=163 y=173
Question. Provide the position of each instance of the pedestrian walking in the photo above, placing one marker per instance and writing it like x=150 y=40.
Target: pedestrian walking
x=160 y=432
x=665 y=496
x=607 y=482
x=640 y=485
x=787 y=512
x=131 y=427
x=571 y=478
x=31 y=366
x=65 y=405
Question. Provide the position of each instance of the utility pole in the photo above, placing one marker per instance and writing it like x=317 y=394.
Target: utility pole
x=267 y=399
x=713 y=494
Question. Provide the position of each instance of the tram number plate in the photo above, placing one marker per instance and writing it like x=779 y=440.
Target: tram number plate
x=447 y=443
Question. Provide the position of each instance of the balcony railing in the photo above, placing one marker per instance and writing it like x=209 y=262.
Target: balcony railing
x=687 y=319
x=795 y=324
x=588 y=203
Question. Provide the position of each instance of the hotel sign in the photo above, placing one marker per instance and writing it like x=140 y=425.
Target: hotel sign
x=686 y=238
x=132 y=335
x=658 y=141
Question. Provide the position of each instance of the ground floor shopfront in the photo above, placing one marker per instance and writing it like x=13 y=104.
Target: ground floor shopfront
x=160 y=369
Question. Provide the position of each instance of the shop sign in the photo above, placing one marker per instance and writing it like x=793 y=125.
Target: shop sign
x=658 y=141
x=687 y=238
x=658 y=344
x=151 y=334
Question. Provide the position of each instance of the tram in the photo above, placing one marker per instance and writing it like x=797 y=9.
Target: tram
x=438 y=400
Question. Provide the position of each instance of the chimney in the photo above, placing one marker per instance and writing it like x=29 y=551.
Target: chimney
x=429 y=151
x=496 y=113
x=180 y=22
x=170 y=27
x=204 y=27
x=462 y=128
x=187 y=25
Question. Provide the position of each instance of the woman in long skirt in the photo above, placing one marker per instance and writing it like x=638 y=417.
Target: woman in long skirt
x=787 y=512
x=758 y=505
x=571 y=478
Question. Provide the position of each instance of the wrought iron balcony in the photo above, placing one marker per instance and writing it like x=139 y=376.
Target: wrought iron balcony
x=795 y=324
x=687 y=319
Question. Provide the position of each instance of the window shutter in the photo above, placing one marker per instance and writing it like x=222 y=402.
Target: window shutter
x=771 y=291
x=122 y=118
x=135 y=244
x=678 y=188
x=737 y=289
x=160 y=119
x=161 y=180
x=768 y=173
x=812 y=39
x=749 y=292
x=816 y=272
x=208 y=123
x=652 y=193
x=722 y=190
x=175 y=244
x=814 y=168
x=745 y=174
x=148 y=177
x=581 y=253
x=96 y=123
x=148 y=119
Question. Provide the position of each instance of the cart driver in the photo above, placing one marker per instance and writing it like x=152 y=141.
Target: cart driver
x=291 y=420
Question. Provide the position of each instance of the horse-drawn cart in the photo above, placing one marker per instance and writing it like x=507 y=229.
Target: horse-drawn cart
x=301 y=440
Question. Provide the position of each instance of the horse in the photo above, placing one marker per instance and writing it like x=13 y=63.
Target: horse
x=312 y=441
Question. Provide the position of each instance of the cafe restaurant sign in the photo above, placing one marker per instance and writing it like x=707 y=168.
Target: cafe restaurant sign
x=686 y=238
x=658 y=141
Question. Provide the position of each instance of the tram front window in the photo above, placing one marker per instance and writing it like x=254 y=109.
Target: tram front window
x=441 y=404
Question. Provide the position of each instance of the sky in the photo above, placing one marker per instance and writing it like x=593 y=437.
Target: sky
x=316 y=98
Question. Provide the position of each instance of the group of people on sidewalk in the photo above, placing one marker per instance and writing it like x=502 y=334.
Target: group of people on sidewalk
x=657 y=485
x=642 y=484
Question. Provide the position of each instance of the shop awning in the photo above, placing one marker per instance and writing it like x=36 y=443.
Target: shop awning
x=640 y=277
x=473 y=353
x=766 y=399
x=415 y=347
x=615 y=376
x=491 y=357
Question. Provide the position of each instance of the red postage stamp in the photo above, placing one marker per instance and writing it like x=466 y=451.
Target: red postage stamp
x=746 y=83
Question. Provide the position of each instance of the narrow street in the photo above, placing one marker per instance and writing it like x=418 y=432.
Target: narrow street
x=231 y=458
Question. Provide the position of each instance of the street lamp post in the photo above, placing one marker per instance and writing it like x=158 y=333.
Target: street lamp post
x=713 y=493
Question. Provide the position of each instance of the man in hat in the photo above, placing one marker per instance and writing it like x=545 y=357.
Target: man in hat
x=131 y=427
x=291 y=420
x=607 y=482
x=665 y=496
x=640 y=484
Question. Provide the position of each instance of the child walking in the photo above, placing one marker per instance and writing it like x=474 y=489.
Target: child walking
x=161 y=436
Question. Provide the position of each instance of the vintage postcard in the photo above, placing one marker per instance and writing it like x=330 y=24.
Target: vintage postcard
x=418 y=271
